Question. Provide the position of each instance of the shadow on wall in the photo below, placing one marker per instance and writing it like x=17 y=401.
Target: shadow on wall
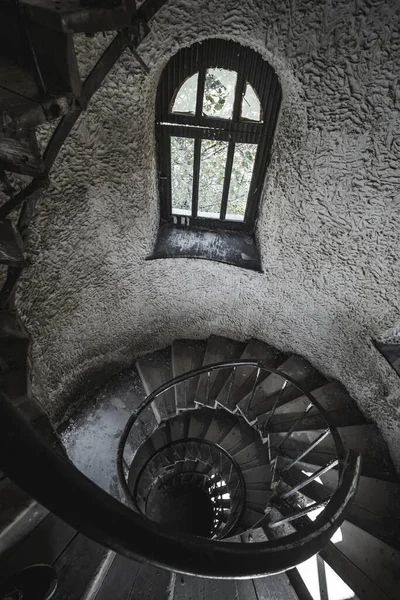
x=392 y=354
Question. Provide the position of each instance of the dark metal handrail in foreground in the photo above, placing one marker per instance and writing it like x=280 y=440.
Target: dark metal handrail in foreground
x=58 y=485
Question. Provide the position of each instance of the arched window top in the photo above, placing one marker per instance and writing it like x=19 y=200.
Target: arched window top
x=251 y=105
x=218 y=96
x=184 y=101
x=217 y=107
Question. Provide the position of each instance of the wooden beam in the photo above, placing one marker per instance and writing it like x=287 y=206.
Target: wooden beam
x=11 y=245
x=128 y=38
x=90 y=86
x=30 y=192
x=149 y=8
x=20 y=153
x=55 y=60
x=81 y=17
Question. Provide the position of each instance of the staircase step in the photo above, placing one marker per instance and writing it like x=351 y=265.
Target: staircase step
x=369 y=566
x=179 y=426
x=43 y=545
x=238 y=438
x=275 y=587
x=376 y=461
x=199 y=423
x=266 y=394
x=16 y=508
x=243 y=380
x=189 y=588
x=151 y=583
x=78 y=566
x=154 y=370
x=187 y=355
x=18 y=517
x=258 y=499
x=221 y=424
x=251 y=516
x=219 y=349
x=245 y=589
x=375 y=508
x=332 y=396
x=161 y=437
x=257 y=477
x=119 y=580
x=251 y=456
x=142 y=456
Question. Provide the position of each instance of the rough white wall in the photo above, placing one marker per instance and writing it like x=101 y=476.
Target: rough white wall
x=330 y=215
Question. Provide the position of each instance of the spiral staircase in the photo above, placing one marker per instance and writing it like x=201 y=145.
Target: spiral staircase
x=251 y=459
x=239 y=464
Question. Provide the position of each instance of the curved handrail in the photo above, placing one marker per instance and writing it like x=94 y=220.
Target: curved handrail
x=57 y=484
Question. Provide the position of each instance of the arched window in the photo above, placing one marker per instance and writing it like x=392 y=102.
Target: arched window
x=217 y=108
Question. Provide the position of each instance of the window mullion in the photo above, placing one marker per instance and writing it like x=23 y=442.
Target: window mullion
x=237 y=105
x=240 y=83
x=196 y=177
x=197 y=143
x=200 y=92
x=227 y=179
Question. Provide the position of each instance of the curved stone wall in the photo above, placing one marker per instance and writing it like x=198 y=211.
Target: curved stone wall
x=328 y=230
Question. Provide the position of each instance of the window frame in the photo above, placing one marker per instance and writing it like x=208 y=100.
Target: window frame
x=251 y=68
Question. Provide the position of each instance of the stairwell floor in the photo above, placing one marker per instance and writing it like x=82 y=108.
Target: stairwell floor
x=92 y=434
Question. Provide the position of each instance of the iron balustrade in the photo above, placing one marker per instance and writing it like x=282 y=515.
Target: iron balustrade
x=57 y=484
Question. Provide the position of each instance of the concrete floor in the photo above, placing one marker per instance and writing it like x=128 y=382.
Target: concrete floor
x=92 y=434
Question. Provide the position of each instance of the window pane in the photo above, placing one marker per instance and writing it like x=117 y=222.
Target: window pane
x=182 y=154
x=242 y=170
x=212 y=173
x=185 y=99
x=251 y=107
x=219 y=93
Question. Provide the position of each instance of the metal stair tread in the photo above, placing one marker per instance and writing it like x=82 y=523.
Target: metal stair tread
x=263 y=399
x=363 y=438
x=187 y=355
x=244 y=378
x=219 y=349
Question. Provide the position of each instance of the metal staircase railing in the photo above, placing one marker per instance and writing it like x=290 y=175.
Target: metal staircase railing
x=194 y=462
x=57 y=484
x=159 y=401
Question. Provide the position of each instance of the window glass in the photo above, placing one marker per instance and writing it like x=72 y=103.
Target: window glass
x=219 y=93
x=185 y=99
x=242 y=170
x=212 y=174
x=251 y=106
x=182 y=154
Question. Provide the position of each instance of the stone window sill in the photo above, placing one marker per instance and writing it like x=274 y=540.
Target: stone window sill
x=230 y=247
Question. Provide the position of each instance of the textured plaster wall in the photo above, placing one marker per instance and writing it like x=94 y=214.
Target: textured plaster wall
x=330 y=214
